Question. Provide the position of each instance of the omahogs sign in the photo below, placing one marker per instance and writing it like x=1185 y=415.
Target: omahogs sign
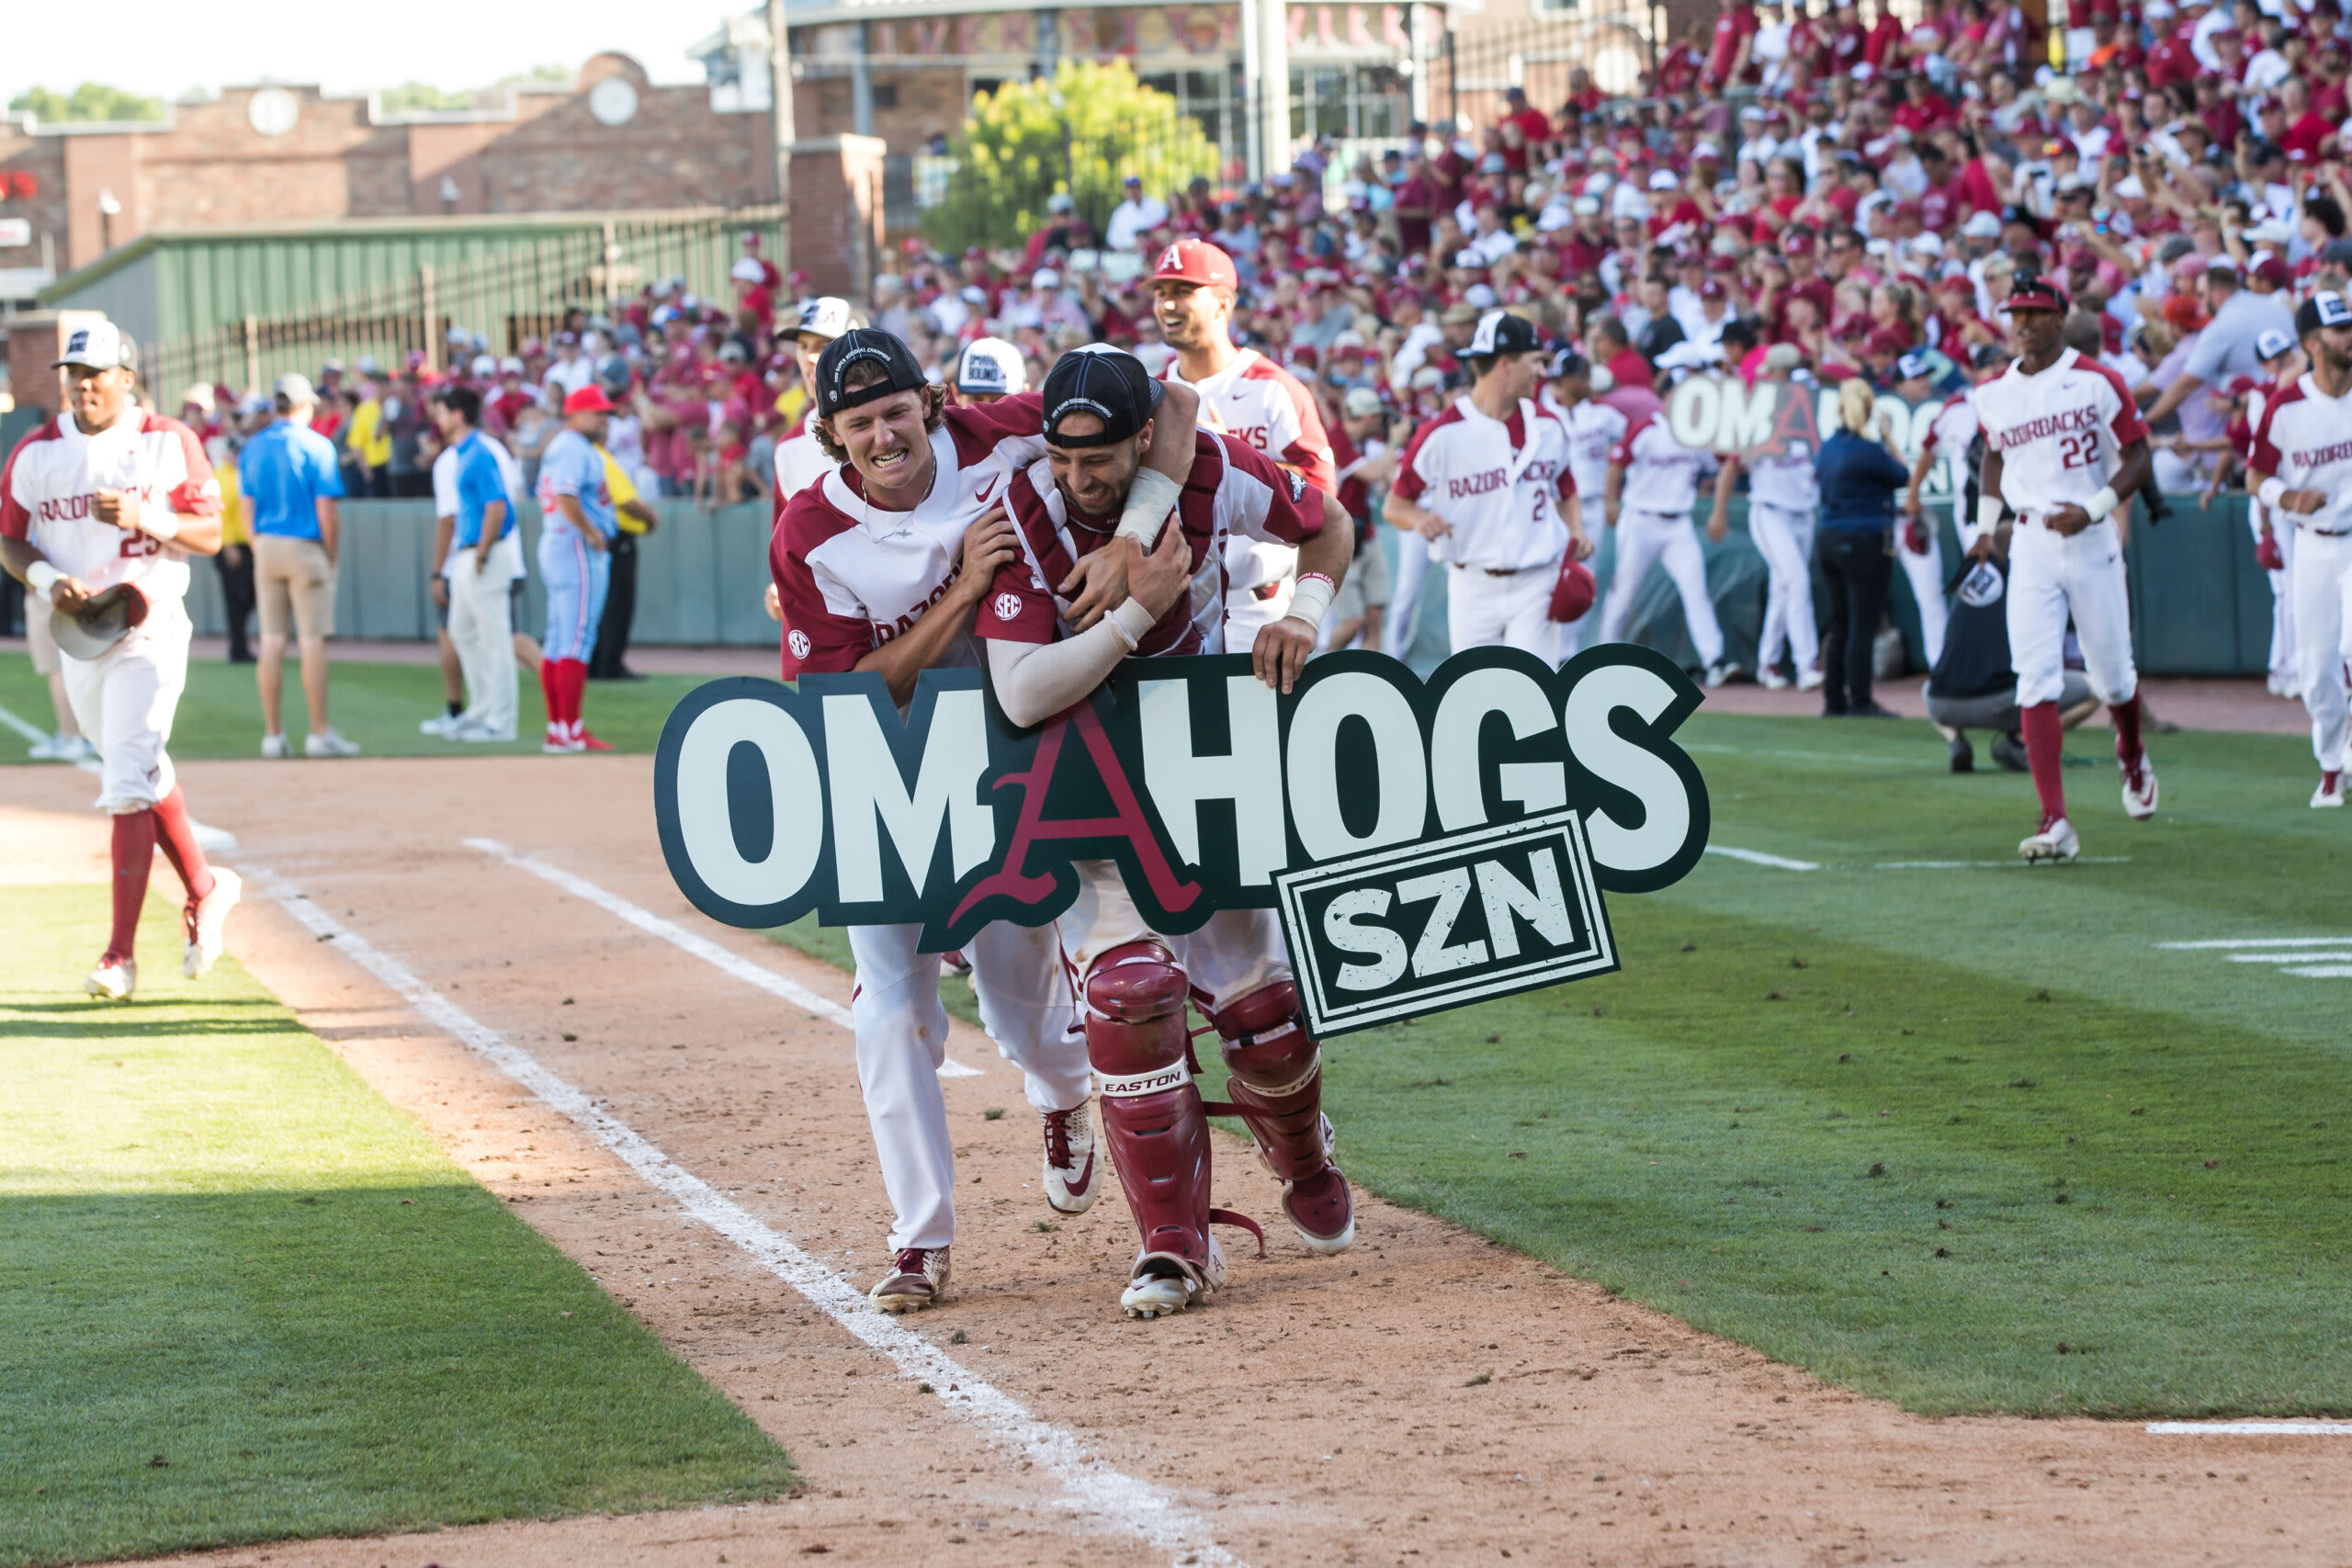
x=1208 y=790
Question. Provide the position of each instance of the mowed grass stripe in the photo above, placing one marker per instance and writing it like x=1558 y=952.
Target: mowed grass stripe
x=222 y=1251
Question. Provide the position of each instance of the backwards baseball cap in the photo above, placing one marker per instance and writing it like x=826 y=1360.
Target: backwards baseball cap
x=101 y=346
x=859 y=345
x=2272 y=344
x=2036 y=294
x=1196 y=261
x=1500 y=331
x=1109 y=383
x=989 y=366
x=824 y=317
x=2322 y=310
x=1913 y=365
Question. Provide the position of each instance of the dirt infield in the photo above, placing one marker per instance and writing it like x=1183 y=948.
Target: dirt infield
x=1321 y=1411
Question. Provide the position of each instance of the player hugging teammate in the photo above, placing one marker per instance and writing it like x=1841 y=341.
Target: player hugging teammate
x=99 y=511
x=2065 y=448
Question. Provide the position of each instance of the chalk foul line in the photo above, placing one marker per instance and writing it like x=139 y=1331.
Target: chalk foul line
x=2251 y=1428
x=1093 y=1491
x=701 y=947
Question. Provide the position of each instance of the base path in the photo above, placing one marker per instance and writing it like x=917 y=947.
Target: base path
x=1320 y=1411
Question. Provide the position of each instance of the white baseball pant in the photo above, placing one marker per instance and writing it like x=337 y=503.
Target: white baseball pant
x=2284 y=665
x=1783 y=537
x=125 y=701
x=1235 y=954
x=1483 y=610
x=2322 y=581
x=1404 y=601
x=1926 y=572
x=1250 y=561
x=481 y=630
x=2050 y=577
x=1027 y=1008
x=1655 y=538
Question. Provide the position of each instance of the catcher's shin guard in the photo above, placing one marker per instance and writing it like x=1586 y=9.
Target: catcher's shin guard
x=1276 y=1083
x=1152 y=1118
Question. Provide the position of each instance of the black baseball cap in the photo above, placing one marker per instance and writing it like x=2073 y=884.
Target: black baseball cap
x=860 y=345
x=1500 y=331
x=2322 y=310
x=1109 y=383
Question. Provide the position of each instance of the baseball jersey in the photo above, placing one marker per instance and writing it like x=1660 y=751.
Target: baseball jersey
x=848 y=577
x=572 y=466
x=1661 y=474
x=53 y=476
x=1593 y=428
x=2305 y=440
x=1787 y=482
x=1262 y=406
x=799 y=463
x=1234 y=493
x=1949 y=434
x=2060 y=434
x=1495 y=483
x=445 y=491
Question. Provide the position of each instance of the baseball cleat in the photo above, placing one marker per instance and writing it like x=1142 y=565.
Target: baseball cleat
x=1771 y=680
x=443 y=724
x=555 y=747
x=1810 y=680
x=918 y=1279
x=274 y=747
x=1963 y=755
x=206 y=916
x=329 y=742
x=115 y=979
x=1722 y=672
x=1322 y=1211
x=2054 y=840
x=1163 y=1286
x=2140 y=790
x=2330 y=793
x=590 y=743
x=2009 y=751
x=1073 y=1176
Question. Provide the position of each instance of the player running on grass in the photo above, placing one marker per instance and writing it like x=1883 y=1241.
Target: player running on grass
x=879 y=566
x=2301 y=470
x=2065 y=447
x=106 y=498
x=1103 y=414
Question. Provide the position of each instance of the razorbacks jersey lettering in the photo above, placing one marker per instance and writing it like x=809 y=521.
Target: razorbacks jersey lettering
x=2305 y=440
x=48 y=496
x=1495 y=483
x=1593 y=428
x=1661 y=474
x=1261 y=405
x=2060 y=434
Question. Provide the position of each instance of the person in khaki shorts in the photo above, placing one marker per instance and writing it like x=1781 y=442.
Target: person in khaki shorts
x=292 y=482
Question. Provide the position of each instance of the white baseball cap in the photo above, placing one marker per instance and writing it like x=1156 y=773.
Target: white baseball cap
x=101 y=346
x=1664 y=179
x=296 y=388
x=1046 y=277
x=989 y=366
x=747 y=270
x=1983 y=226
x=485 y=366
x=825 y=316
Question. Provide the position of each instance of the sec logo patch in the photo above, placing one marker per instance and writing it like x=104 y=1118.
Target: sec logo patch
x=1008 y=606
x=799 y=642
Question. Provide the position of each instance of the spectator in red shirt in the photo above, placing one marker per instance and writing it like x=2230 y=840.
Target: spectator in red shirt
x=2308 y=137
x=1728 y=58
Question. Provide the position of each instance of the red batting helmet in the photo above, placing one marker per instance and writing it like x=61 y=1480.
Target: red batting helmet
x=1196 y=261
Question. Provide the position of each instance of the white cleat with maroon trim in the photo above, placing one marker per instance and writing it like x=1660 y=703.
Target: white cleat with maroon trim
x=2140 y=790
x=2054 y=840
x=918 y=1279
x=1073 y=1173
x=2330 y=793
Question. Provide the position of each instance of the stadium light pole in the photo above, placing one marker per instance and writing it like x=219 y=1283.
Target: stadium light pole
x=1273 y=89
x=780 y=118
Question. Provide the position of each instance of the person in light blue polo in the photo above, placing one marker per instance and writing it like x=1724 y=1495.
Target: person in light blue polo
x=292 y=482
x=486 y=560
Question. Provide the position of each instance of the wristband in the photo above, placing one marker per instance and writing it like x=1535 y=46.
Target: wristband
x=1150 y=499
x=164 y=525
x=41 y=576
x=2100 y=505
x=1989 y=514
x=2271 y=492
x=1311 y=598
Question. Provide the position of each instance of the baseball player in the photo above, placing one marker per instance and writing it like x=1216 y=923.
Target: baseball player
x=2301 y=471
x=1488 y=483
x=575 y=562
x=1249 y=397
x=800 y=461
x=99 y=511
x=880 y=566
x=1043 y=658
x=989 y=368
x=1919 y=548
x=2065 y=446
x=1783 y=497
x=2274 y=546
x=1650 y=488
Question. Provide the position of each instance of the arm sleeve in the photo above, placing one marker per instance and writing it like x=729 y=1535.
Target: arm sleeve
x=1888 y=468
x=445 y=488
x=197 y=494
x=1033 y=681
x=2204 y=360
x=2126 y=424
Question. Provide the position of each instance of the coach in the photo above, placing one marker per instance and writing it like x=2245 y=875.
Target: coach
x=292 y=481
x=488 y=558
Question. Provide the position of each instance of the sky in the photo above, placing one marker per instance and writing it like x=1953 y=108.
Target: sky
x=164 y=49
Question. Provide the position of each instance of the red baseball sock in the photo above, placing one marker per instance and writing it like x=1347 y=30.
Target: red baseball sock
x=175 y=836
x=2126 y=715
x=575 y=690
x=134 y=857
x=2044 y=753
x=551 y=692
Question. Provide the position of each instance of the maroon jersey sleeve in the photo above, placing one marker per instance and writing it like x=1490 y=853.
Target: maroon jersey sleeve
x=1020 y=606
x=1408 y=482
x=979 y=428
x=2265 y=458
x=1294 y=509
x=196 y=494
x=1311 y=453
x=818 y=640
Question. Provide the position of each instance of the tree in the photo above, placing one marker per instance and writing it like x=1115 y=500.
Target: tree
x=422 y=97
x=90 y=103
x=1081 y=131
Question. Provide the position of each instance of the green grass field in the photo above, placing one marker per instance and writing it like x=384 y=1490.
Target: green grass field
x=377 y=704
x=244 y=1299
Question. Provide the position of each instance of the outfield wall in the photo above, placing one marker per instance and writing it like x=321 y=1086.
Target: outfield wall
x=2201 y=605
